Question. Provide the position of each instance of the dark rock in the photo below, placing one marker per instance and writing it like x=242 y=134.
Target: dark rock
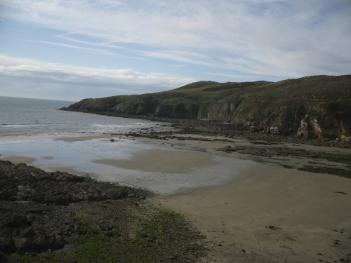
x=336 y=242
x=17 y=221
x=340 y=192
x=271 y=227
x=22 y=243
x=26 y=183
x=3 y=257
x=38 y=209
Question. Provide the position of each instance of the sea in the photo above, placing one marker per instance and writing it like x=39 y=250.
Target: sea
x=22 y=116
x=38 y=133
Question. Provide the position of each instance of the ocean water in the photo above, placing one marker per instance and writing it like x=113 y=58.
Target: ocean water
x=19 y=116
x=36 y=131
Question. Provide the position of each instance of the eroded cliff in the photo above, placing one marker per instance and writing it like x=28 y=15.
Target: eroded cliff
x=309 y=107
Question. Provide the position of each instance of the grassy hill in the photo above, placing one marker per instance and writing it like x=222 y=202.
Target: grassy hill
x=309 y=107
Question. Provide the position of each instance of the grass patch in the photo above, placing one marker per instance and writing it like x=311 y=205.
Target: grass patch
x=160 y=236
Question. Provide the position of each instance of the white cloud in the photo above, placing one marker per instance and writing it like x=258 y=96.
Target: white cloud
x=53 y=80
x=280 y=38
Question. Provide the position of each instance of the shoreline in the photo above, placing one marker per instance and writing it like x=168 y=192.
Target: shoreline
x=213 y=128
x=318 y=159
x=268 y=213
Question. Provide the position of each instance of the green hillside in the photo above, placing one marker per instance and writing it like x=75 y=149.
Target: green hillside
x=309 y=107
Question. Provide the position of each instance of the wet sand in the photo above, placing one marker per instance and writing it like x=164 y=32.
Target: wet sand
x=82 y=138
x=18 y=159
x=272 y=214
x=164 y=161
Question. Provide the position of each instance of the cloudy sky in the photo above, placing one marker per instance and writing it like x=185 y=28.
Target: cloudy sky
x=72 y=49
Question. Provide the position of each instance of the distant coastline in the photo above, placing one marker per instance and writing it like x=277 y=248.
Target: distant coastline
x=313 y=109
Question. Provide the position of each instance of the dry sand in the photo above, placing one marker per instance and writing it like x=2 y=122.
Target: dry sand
x=272 y=214
x=164 y=161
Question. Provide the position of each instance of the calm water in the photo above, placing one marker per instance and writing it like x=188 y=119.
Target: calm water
x=20 y=116
x=35 y=128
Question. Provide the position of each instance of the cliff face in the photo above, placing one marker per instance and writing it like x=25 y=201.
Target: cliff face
x=309 y=107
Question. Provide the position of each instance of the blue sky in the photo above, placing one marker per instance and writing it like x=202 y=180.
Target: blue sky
x=72 y=49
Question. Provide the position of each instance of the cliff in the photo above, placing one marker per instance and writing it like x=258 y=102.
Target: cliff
x=308 y=107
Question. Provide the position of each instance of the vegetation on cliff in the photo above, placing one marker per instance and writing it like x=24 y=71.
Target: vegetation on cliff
x=309 y=107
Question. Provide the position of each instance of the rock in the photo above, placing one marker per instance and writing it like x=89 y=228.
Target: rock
x=302 y=130
x=227 y=149
x=309 y=128
x=6 y=242
x=18 y=221
x=344 y=138
x=340 y=192
x=3 y=257
x=336 y=242
x=32 y=184
x=274 y=130
x=24 y=191
x=317 y=130
x=271 y=227
x=21 y=243
x=37 y=209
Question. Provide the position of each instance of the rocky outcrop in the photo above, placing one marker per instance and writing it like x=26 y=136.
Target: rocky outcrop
x=344 y=134
x=310 y=107
x=26 y=183
x=303 y=130
x=59 y=217
x=309 y=128
x=38 y=210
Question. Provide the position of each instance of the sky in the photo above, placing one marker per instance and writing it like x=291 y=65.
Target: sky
x=74 y=49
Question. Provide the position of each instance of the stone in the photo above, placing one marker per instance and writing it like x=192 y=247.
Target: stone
x=302 y=130
x=21 y=243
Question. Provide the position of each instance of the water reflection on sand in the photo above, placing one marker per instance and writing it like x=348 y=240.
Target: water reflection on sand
x=161 y=168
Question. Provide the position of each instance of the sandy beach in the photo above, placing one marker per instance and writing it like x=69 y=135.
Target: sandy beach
x=269 y=213
x=164 y=161
x=260 y=211
x=272 y=214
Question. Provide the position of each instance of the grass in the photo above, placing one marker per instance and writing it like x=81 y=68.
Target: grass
x=280 y=104
x=160 y=236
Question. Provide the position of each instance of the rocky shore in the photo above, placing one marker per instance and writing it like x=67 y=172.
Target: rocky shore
x=60 y=217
